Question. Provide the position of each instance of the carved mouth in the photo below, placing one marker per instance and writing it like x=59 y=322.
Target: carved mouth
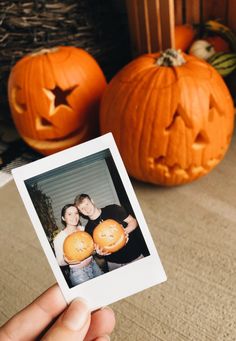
x=167 y=171
x=74 y=138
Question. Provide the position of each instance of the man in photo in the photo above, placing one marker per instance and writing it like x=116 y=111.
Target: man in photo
x=135 y=247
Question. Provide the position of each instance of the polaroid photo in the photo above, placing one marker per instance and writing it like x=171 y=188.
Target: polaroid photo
x=89 y=222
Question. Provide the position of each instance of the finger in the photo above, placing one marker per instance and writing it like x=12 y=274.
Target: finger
x=103 y=338
x=29 y=323
x=72 y=325
x=102 y=324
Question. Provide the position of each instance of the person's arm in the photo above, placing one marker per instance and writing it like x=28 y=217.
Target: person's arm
x=75 y=322
x=58 y=248
x=132 y=224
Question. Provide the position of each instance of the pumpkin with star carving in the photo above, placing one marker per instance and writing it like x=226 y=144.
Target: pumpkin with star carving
x=54 y=97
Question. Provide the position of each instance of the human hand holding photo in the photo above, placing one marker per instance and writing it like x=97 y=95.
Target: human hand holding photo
x=73 y=323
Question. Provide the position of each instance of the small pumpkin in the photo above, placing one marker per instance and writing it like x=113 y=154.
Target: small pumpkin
x=171 y=115
x=202 y=49
x=184 y=36
x=78 y=246
x=54 y=96
x=109 y=235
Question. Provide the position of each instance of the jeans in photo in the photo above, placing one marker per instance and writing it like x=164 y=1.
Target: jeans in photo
x=78 y=276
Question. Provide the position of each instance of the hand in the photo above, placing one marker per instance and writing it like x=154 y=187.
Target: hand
x=126 y=236
x=100 y=251
x=75 y=322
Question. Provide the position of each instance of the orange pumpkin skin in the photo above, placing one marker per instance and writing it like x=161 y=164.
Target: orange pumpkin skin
x=54 y=97
x=184 y=36
x=109 y=235
x=172 y=125
x=78 y=246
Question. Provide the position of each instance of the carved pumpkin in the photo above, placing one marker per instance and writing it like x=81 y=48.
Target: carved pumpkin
x=54 y=98
x=78 y=246
x=172 y=124
x=109 y=235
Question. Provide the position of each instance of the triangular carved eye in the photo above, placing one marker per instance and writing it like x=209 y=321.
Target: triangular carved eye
x=211 y=109
x=201 y=140
x=180 y=112
x=214 y=107
x=211 y=103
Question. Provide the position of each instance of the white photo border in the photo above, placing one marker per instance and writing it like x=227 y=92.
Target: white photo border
x=114 y=285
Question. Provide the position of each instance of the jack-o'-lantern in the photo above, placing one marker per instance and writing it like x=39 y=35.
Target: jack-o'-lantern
x=78 y=246
x=54 y=97
x=109 y=235
x=171 y=115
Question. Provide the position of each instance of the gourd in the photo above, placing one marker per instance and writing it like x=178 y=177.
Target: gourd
x=54 y=96
x=171 y=115
x=202 y=49
x=224 y=63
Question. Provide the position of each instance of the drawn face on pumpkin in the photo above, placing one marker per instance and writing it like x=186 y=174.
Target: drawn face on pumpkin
x=54 y=96
x=109 y=235
x=78 y=246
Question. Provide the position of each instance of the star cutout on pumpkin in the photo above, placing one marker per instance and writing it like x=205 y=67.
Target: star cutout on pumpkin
x=58 y=96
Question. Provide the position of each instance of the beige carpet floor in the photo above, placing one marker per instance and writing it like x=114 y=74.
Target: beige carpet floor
x=194 y=228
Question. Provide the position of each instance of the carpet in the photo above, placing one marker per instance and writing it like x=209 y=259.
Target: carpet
x=194 y=229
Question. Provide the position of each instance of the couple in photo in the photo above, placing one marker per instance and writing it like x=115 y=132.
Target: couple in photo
x=134 y=249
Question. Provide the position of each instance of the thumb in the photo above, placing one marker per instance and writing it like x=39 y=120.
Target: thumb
x=72 y=325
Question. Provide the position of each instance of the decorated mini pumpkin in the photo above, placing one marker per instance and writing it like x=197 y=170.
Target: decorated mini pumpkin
x=171 y=115
x=54 y=97
x=78 y=246
x=109 y=235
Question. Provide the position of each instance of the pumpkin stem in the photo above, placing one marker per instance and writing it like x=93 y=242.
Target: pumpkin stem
x=44 y=51
x=171 y=57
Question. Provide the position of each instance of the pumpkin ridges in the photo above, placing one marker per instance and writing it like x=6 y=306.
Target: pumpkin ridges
x=126 y=119
x=29 y=94
x=196 y=79
x=37 y=76
x=161 y=149
x=145 y=120
x=112 y=101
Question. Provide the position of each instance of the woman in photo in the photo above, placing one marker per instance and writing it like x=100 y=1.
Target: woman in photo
x=79 y=271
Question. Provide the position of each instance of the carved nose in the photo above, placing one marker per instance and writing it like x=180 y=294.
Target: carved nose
x=200 y=141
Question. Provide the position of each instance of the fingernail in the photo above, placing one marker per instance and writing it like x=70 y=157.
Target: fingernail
x=76 y=315
x=107 y=337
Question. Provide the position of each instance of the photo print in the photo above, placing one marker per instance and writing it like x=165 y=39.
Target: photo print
x=89 y=222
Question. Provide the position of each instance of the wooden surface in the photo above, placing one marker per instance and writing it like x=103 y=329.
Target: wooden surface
x=194 y=229
x=151 y=22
